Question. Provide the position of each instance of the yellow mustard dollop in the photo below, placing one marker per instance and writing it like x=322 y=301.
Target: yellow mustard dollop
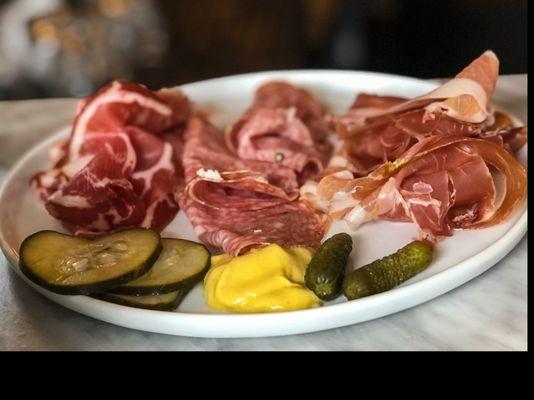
x=265 y=279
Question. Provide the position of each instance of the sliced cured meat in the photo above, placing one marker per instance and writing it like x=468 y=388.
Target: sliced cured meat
x=279 y=94
x=278 y=136
x=155 y=178
x=179 y=104
x=370 y=149
x=366 y=103
x=99 y=197
x=119 y=167
x=308 y=227
x=121 y=104
x=237 y=204
x=464 y=98
x=377 y=129
x=284 y=125
x=239 y=212
x=205 y=149
x=441 y=183
x=504 y=133
x=512 y=139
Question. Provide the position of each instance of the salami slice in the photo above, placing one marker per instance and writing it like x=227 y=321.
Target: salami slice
x=235 y=205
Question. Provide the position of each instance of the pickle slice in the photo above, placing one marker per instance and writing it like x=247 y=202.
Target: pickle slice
x=181 y=264
x=162 y=302
x=66 y=264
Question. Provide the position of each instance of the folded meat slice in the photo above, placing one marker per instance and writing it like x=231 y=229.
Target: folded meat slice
x=377 y=129
x=121 y=104
x=156 y=177
x=284 y=125
x=99 y=197
x=441 y=183
x=279 y=137
x=464 y=98
x=280 y=94
x=235 y=205
x=119 y=146
x=503 y=132
x=242 y=210
x=205 y=148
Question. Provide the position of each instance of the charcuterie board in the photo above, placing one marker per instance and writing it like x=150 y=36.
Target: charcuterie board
x=458 y=258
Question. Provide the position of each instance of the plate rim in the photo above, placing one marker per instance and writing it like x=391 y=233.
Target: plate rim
x=441 y=282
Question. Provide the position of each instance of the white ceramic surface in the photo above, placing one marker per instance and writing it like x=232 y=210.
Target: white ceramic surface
x=458 y=259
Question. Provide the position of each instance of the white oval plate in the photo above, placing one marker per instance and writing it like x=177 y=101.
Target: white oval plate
x=458 y=259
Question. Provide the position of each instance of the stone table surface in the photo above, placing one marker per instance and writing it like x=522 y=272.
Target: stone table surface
x=487 y=313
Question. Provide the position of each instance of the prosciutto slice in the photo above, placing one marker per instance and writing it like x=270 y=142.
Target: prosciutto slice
x=284 y=125
x=238 y=204
x=117 y=170
x=442 y=183
x=377 y=129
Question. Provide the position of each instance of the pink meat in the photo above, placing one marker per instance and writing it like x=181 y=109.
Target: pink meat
x=155 y=178
x=441 y=183
x=120 y=163
x=205 y=149
x=377 y=129
x=279 y=94
x=99 y=197
x=121 y=104
x=284 y=125
x=438 y=193
x=252 y=203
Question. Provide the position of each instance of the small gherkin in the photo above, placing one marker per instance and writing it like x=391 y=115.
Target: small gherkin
x=325 y=273
x=386 y=273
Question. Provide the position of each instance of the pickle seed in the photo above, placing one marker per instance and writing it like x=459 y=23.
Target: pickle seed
x=81 y=265
x=106 y=258
x=68 y=263
x=120 y=246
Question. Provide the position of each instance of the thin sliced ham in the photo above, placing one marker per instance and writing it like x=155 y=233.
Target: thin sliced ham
x=235 y=204
x=377 y=129
x=119 y=167
x=442 y=183
x=464 y=98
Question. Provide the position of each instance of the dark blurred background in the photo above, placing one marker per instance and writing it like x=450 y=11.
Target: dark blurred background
x=60 y=48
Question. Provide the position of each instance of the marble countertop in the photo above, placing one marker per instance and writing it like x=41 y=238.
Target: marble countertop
x=487 y=313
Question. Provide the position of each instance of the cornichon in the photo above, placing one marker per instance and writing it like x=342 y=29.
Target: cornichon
x=67 y=264
x=325 y=272
x=181 y=264
x=388 y=272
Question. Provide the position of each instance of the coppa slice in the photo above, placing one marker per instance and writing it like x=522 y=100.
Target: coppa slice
x=66 y=264
x=121 y=164
x=163 y=302
x=180 y=265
